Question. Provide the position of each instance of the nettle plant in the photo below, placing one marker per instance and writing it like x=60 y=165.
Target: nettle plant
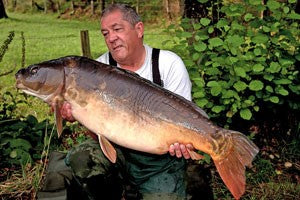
x=243 y=61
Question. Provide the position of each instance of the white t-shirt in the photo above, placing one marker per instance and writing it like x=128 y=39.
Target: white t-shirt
x=172 y=71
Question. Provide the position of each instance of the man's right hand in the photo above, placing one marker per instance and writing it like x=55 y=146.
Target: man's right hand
x=66 y=111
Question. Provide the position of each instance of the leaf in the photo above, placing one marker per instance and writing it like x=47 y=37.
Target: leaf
x=274 y=99
x=204 y=21
x=215 y=91
x=201 y=102
x=254 y=2
x=269 y=89
x=248 y=17
x=260 y=39
x=240 y=86
x=201 y=46
x=239 y=71
x=293 y=16
x=245 y=114
x=13 y=154
x=269 y=77
x=214 y=42
x=222 y=23
x=218 y=109
x=282 y=81
x=273 y=5
x=212 y=84
x=274 y=67
x=256 y=85
x=235 y=40
x=199 y=94
x=280 y=90
x=258 y=67
x=257 y=52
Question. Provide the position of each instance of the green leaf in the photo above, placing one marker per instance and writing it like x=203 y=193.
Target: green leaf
x=248 y=17
x=245 y=114
x=218 y=109
x=203 y=1
x=214 y=42
x=260 y=39
x=239 y=71
x=269 y=77
x=274 y=99
x=201 y=46
x=212 y=84
x=257 y=52
x=204 y=21
x=235 y=40
x=266 y=29
x=216 y=90
x=274 y=67
x=256 y=85
x=240 y=86
x=280 y=90
x=201 y=102
x=222 y=23
x=254 y=2
x=282 y=81
x=13 y=154
x=269 y=89
x=273 y=5
x=199 y=94
x=293 y=16
x=258 y=67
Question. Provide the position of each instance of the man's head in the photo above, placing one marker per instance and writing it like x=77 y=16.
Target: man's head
x=123 y=31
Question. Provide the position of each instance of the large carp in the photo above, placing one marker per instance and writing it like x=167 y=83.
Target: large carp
x=121 y=107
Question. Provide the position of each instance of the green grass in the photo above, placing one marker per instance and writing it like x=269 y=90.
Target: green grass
x=47 y=37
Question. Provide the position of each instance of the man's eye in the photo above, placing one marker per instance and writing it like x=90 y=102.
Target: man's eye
x=118 y=29
x=104 y=33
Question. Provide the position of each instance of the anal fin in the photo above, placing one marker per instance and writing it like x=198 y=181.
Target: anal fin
x=58 y=119
x=108 y=149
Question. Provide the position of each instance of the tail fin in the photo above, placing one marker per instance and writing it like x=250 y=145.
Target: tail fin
x=232 y=167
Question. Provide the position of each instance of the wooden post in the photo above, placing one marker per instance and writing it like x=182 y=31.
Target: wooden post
x=85 y=43
x=72 y=6
x=92 y=7
x=45 y=6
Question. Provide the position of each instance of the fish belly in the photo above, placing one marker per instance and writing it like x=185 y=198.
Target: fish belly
x=139 y=132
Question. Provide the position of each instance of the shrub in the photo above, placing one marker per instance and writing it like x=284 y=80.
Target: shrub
x=243 y=61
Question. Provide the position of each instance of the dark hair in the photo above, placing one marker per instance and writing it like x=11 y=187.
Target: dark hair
x=129 y=14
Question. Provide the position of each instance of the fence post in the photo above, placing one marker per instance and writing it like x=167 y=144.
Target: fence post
x=92 y=7
x=45 y=6
x=85 y=43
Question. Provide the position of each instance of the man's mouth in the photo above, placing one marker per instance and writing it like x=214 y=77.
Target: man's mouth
x=117 y=47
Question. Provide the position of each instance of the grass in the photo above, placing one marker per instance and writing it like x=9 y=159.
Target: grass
x=47 y=37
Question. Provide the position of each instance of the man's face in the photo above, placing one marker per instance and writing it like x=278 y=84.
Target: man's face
x=121 y=38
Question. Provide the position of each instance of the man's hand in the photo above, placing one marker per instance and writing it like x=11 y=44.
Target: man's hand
x=65 y=111
x=180 y=150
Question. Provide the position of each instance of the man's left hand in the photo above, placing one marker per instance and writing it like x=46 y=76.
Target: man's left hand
x=180 y=150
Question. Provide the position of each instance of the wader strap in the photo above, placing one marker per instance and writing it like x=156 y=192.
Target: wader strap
x=155 y=68
x=111 y=60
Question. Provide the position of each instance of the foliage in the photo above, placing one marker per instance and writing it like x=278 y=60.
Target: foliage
x=22 y=141
x=243 y=61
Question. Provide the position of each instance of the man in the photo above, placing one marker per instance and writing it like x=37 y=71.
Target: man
x=152 y=176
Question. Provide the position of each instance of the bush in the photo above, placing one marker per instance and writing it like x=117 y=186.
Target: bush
x=243 y=62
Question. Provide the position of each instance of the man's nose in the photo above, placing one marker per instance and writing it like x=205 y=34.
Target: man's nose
x=112 y=37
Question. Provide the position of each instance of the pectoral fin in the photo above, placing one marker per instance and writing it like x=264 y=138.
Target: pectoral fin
x=58 y=119
x=108 y=149
x=194 y=155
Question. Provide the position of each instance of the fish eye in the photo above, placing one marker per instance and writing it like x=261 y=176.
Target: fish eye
x=34 y=70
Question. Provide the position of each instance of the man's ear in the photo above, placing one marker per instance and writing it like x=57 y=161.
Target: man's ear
x=139 y=27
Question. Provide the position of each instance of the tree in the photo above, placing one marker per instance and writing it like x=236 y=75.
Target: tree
x=2 y=10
